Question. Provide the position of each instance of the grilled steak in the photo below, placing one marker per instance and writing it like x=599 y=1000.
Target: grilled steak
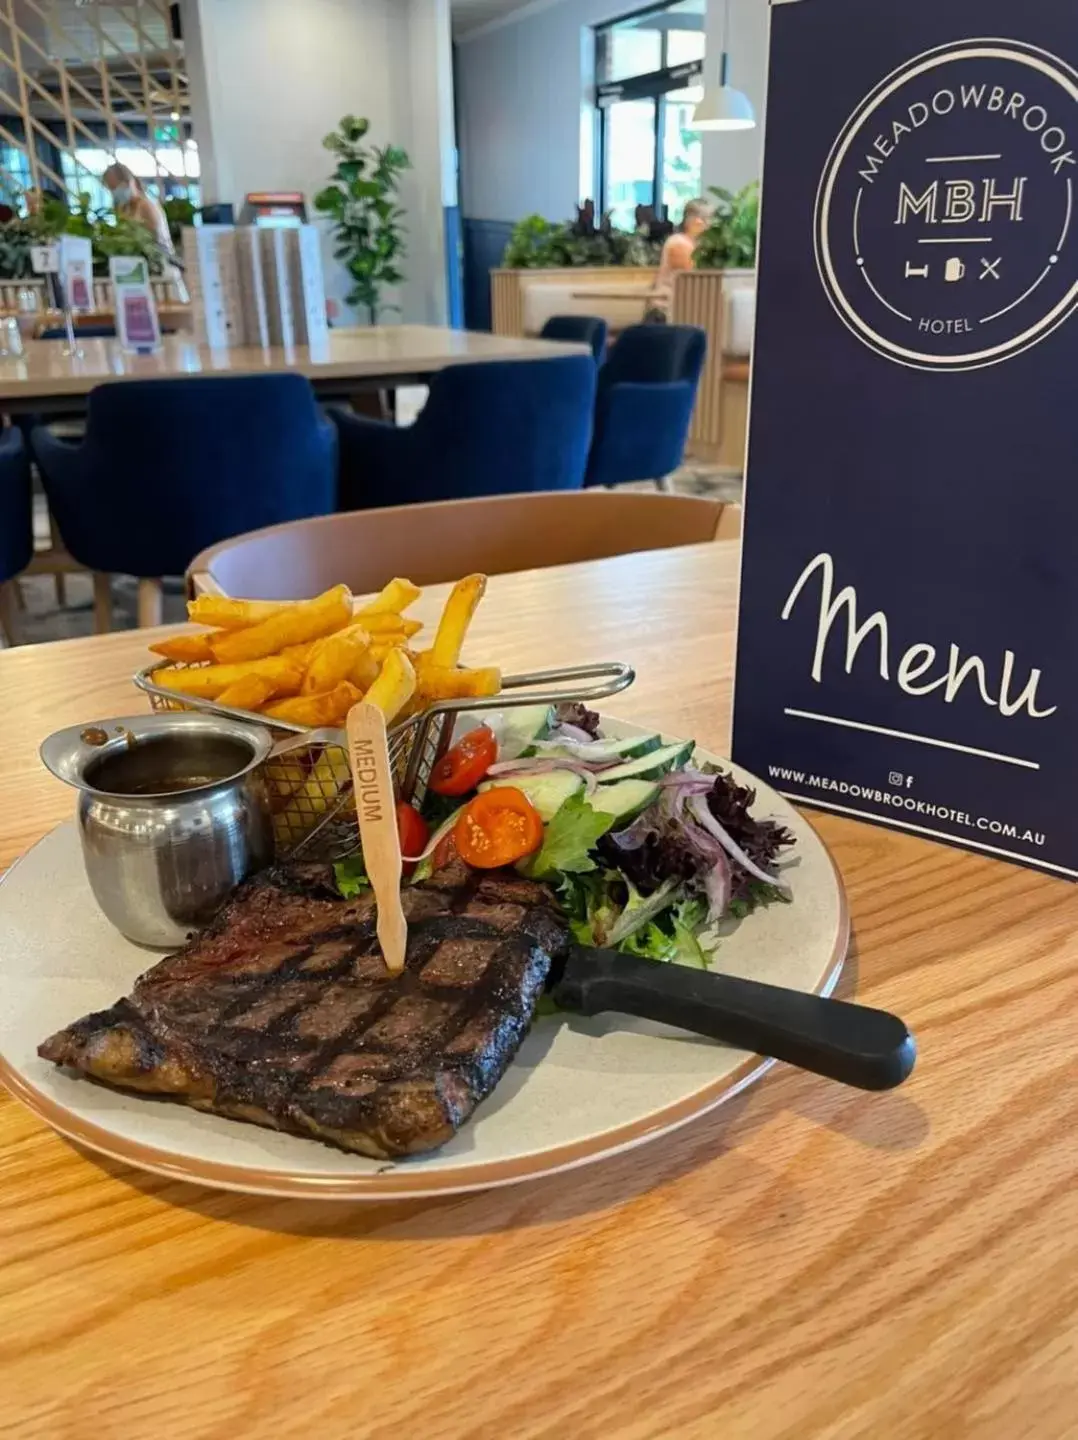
x=282 y=1012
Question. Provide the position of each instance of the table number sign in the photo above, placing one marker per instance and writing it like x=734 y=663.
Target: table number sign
x=77 y=273
x=908 y=633
x=137 y=323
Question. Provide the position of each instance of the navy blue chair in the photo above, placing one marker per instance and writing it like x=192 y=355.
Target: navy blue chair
x=168 y=467
x=498 y=428
x=643 y=409
x=588 y=329
x=16 y=522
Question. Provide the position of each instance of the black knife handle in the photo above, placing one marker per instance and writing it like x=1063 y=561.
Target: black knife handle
x=870 y=1049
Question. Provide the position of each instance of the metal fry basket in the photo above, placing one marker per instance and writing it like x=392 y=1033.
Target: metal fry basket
x=309 y=777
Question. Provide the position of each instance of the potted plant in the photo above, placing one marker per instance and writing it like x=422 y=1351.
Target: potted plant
x=729 y=242
x=368 y=221
x=538 y=244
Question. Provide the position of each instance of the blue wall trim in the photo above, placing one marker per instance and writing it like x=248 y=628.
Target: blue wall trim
x=454 y=262
x=484 y=246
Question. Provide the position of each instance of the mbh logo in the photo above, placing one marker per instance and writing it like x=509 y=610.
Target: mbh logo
x=945 y=218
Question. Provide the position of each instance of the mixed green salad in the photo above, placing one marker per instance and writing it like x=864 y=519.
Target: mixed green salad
x=648 y=853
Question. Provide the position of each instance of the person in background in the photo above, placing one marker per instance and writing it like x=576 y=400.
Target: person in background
x=677 y=255
x=133 y=203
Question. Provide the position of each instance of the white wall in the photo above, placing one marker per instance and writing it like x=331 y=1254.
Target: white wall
x=733 y=159
x=270 y=78
x=521 y=87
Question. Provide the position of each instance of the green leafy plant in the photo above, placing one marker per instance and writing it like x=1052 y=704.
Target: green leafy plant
x=362 y=201
x=180 y=213
x=729 y=242
x=550 y=245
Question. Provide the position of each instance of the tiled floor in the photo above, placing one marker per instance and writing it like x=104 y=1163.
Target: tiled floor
x=43 y=619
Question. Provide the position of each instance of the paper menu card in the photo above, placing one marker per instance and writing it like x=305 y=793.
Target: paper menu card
x=77 y=272
x=277 y=269
x=137 y=323
x=213 y=279
x=308 y=285
x=252 y=275
x=909 y=600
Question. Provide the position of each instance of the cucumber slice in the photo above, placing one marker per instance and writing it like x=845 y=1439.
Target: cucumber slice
x=652 y=766
x=625 y=799
x=548 y=793
x=519 y=729
x=601 y=751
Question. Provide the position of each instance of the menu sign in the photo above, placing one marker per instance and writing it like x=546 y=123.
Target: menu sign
x=909 y=603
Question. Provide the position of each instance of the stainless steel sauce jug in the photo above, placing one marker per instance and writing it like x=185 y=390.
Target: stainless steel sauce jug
x=173 y=813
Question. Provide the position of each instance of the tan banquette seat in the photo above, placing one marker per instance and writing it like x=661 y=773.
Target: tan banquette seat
x=441 y=541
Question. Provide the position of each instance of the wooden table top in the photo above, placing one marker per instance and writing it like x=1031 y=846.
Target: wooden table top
x=804 y=1262
x=380 y=352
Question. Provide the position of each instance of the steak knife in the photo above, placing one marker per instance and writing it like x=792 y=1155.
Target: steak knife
x=866 y=1048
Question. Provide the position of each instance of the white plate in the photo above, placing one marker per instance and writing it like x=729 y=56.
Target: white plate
x=578 y=1089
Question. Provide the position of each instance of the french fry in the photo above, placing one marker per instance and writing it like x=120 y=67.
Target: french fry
x=394 y=600
x=334 y=659
x=213 y=680
x=185 y=649
x=394 y=687
x=301 y=655
x=365 y=671
x=438 y=684
x=456 y=617
x=386 y=623
x=309 y=620
x=227 y=614
x=316 y=711
x=250 y=693
x=385 y=643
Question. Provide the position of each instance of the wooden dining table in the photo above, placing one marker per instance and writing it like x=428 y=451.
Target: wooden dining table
x=805 y=1261
x=45 y=378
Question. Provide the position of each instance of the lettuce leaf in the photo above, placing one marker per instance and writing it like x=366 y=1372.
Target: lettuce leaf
x=351 y=877
x=569 y=838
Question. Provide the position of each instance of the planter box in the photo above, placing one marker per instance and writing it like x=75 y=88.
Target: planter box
x=509 y=300
x=706 y=298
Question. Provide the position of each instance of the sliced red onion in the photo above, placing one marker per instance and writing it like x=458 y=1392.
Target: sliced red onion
x=575 y=751
x=523 y=769
x=565 y=731
x=693 y=780
x=718 y=884
x=702 y=814
x=536 y=766
x=636 y=834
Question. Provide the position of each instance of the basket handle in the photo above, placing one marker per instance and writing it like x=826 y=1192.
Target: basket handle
x=308 y=739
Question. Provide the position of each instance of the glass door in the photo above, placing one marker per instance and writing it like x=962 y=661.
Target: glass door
x=629 y=159
x=679 y=180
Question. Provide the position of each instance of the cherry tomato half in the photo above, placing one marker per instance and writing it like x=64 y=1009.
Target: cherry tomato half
x=414 y=832
x=498 y=827
x=462 y=768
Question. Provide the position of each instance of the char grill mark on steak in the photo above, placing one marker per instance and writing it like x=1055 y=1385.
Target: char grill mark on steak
x=283 y=1012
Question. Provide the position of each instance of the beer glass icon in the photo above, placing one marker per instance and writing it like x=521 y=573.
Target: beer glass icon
x=954 y=269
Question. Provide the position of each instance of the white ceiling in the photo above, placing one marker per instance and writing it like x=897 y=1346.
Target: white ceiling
x=471 y=14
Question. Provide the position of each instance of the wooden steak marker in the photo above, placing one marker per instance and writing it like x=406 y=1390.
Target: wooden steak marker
x=372 y=776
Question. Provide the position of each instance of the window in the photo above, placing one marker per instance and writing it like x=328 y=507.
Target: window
x=179 y=165
x=649 y=72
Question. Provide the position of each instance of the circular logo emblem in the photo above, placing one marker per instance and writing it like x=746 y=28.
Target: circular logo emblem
x=946 y=218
